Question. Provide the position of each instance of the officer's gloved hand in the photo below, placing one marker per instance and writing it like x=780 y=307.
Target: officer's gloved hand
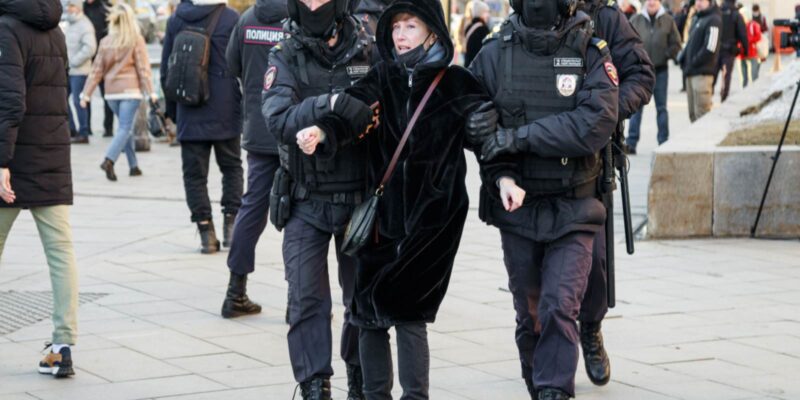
x=503 y=142
x=481 y=124
x=353 y=110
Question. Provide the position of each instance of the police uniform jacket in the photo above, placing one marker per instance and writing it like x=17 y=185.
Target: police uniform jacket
x=259 y=29
x=577 y=133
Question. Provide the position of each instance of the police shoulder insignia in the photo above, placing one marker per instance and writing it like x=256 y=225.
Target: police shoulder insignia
x=611 y=71
x=269 y=77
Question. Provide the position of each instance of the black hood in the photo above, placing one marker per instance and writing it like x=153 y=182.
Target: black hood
x=270 y=11
x=189 y=12
x=541 y=41
x=41 y=14
x=429 y=11
x=375 y=7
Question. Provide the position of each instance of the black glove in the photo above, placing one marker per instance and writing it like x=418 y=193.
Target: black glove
x=503 y=142
x=354 y=111
x=481 y=123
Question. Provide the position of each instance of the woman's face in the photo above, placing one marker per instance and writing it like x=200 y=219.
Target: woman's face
x=410 y=32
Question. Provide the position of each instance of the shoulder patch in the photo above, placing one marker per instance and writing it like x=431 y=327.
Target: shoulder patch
x=269 y=77
x=599 y=43
x=611 y=71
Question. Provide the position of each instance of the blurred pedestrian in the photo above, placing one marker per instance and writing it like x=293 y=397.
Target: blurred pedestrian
x=97 y=11
x=215 y=124
x=35 y=169
x=123 y=64
x=760 y=18
x=476 y=31
x=750 y=58
x=732 y=37
x=258 y=31
x=662 y=42
x=81 y=46
x=699 y=58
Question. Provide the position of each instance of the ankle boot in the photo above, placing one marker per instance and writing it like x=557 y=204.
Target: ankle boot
x=552 y=394
x=595 y=358
x=236 y=301
x=227 y=229
x=108 y=166
x=316 y=389
x=355 y=383
x=208 y=238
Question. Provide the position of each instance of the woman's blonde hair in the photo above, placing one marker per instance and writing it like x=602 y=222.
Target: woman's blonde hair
x=123 y=29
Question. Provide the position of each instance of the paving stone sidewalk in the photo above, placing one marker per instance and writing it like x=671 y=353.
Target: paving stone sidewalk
x=696 y=319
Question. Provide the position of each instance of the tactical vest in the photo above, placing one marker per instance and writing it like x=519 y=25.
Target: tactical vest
x=346 y=171
x=534 y=86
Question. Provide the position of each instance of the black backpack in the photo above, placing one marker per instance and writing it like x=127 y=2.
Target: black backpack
x=187 y=75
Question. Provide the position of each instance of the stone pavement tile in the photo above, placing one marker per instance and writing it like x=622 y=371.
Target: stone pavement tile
x=655 y=355
x=107 y=365
x=143 y=389
x=256 y=393
x=163 y=343
x=501 y=369
x=633 y=373
x=268 y=348
x=18 y=359
x=201 y=324
x=505 y=389
x=474 y=354
x=439 y=341
x=96 y=312
x=171 y=290
x=713 y=370
x=782 y=344
x=85 y=342
x=620 y=391
x=458 y=314
x=702 y=390
x=150 y=308
x=759 y=359
x=786 y=297
x=110 y=327
x=18 y=397
x=252 y=376
x=216 y=363
x=34 y=381
x=782 y=386
x=460 y=376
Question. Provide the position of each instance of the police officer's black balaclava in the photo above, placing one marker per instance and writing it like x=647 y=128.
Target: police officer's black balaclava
x=320 y=23
x=540 y=14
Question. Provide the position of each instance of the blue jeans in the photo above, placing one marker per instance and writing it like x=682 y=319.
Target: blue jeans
x=125 y=110
x=750 y=69
x=662 y=115
x=76 y=83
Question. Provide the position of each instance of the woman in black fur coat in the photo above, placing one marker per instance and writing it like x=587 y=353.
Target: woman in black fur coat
x=403 y=276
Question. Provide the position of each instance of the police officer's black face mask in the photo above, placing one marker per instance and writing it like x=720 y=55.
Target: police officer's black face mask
x=319 y=23
x=540 y=14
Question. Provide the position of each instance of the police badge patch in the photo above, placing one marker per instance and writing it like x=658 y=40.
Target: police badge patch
x=269 y=77
x=566 y=84
x=611 y=71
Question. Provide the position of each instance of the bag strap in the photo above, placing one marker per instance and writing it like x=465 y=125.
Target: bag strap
x=407 y=133
x=214 y=19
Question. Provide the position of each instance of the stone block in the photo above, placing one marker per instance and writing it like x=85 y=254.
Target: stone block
x=740 y=176
x=680 y=198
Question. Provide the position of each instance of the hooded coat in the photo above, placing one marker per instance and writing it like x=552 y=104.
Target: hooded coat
x=404 y=276
x=220 y=118
x=34 y=134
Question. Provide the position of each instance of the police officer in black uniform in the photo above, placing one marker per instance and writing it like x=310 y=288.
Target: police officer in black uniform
x=259 y=29
x=636 y=82
x=555 y=92
x=313 y=196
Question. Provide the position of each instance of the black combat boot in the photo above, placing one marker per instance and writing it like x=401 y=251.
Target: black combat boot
x=236 y=301
x=595 y=358
x=552 y=394
x=316 y=389
x=355 y=383
x=227 y=229
x=531 y=388
x=208 y=238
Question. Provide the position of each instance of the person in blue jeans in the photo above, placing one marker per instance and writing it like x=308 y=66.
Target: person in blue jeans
x=662 y=41
x=81 y=46
x=123 y=64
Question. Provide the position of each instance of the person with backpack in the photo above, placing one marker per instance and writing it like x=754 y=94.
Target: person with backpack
x=204 y=99
x=35 y=172
x=123 y=64
x=732 y=37
x=258 y=31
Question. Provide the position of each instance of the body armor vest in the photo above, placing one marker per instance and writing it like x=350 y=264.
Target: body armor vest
x=533 y=86
x=346 y=171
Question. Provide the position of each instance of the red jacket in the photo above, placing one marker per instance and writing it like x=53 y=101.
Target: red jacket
x=753 y=37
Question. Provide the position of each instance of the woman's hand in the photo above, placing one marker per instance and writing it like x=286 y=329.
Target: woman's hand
x=511 y=194
x=84 y=101
x=309 y=138
x=153 y=98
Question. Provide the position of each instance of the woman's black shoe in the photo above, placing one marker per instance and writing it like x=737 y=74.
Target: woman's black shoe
x=108 y=166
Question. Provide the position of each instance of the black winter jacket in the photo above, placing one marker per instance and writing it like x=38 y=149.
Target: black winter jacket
x=34 y=135
x=700 y=55
x=734 y=30
x=97 y=12
x=258 y=30
x=637 y=77
x=403 y=278
x=220 y=118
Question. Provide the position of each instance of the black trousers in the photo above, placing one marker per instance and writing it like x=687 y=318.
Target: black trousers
x=108 y=114
x=547 y=282
x=413 y=362
x=196 y=157
x=595 y=301
x=253 y=214
x=725 y=65
x=305 y=255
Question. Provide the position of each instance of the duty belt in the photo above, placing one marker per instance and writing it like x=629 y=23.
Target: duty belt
x=584 y=190
x=300 y=192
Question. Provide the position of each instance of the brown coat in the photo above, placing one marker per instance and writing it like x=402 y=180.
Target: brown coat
x=125 y=70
